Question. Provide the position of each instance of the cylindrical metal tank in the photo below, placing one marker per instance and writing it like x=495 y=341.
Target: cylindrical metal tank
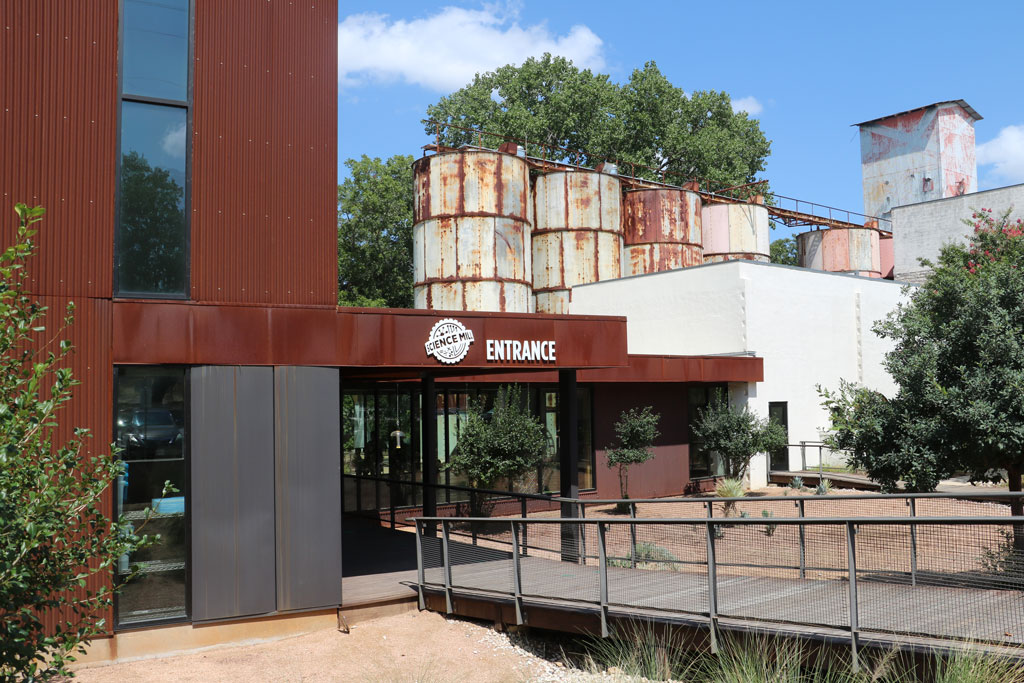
x=471 y=237
x=841 y=250
x=577 y=236
x=735 y=232
x=661 y=230
x=888 y=255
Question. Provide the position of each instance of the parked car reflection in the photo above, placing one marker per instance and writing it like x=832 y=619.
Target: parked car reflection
x=149 y=433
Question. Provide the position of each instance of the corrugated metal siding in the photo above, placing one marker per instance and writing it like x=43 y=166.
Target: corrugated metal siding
x=58 y=121
x=92 y=403
x=264 y=156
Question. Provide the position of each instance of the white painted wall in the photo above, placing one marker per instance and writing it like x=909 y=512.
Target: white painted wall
x=920 y=230
x=812 y=328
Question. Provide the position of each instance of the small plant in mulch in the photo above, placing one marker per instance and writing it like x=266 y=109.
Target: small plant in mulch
x=824 y=487
x=769 y=529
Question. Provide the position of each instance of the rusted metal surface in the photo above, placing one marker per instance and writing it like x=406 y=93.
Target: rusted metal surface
x=736 y=231
x=173 y=332
x=471 y=238
x=887 y=255
x=577 y=237
x=841 y=250
x=264 y=164
x=919 y=155
x=58 y=122
x=661 y=231
x=92 y=401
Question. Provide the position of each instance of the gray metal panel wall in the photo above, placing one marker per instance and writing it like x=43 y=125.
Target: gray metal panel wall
x=308 y=443
x=232 y=496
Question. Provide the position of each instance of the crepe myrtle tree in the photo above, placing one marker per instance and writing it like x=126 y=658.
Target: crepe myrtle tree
x=958 y=365
x=635 y=432
x=55 y=539
x=503 y=444
x=736 y=435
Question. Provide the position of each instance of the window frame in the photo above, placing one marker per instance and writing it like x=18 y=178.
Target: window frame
x=115 y=625
x=187 y=105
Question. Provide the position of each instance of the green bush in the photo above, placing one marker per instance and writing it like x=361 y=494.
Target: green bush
x=54 y=532
x=736 y=435
x=635 y=433
x=649 y=556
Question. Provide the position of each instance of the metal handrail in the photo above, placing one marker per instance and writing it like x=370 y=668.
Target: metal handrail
x=711 y=525
x=979 y=495
x=452 y=487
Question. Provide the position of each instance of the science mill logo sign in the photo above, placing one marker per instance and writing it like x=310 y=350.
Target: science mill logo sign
x=449 y=341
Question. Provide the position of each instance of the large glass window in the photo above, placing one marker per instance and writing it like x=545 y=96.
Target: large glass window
x=152 y=232
x=150 y=432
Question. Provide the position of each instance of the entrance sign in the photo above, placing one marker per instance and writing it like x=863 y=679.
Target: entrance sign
x=520 y=351
x=449 y=341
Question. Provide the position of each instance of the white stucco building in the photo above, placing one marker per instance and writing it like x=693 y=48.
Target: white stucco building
x=811 y=327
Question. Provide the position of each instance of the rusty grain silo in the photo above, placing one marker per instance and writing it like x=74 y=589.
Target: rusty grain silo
x=577 y=236
x=661 y=230
x=471 y=237
x=735 y=231
x=842 y=250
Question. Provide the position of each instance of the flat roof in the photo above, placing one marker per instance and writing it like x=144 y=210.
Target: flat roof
x=968 y=108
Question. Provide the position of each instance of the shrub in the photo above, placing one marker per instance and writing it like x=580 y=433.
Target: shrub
x=649 y=556
x=736 y=436
x=54 y=534
x=824 y=487
x=729 y=488
x=635 y=433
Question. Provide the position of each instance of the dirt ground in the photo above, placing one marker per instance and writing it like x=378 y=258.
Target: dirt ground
x=420 y=647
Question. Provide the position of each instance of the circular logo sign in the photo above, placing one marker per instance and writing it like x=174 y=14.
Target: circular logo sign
x=449 y=341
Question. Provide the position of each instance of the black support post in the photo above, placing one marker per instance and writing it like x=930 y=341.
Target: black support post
x=429 y=449
x=569 y=454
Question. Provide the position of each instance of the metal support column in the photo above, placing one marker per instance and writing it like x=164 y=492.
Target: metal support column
x=603 y=574
x=568 y=457
x=913 y=543
x=420 y=574
x=428 y=417
x=632 y=536
x=712 y=586
x=851 y=562
x=447 y=568
x=803 y=539
x=517 y=574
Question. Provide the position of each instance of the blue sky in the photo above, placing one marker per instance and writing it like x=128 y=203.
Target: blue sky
x=805 y=70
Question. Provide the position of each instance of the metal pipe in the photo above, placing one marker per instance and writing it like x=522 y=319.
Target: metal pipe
x=740 y=521
x=913 y=543
x=632 y=536
x=581 y=512
x=803 y=540
x=420 y=575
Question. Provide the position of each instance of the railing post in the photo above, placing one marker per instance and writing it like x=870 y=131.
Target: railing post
x=632 y=536
x=712 y=586
x=420 y=577
x=447 y=567
x=913 y=543
x=803 y=540
x=523 y=511
x=517 y=581
x=603 y=572
x=851 y=562
x=581 y=512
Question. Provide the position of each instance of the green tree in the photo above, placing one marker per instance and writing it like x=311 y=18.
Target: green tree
x=375 y=233
x=505 y=444
x=958 y=365
x=152 y=232
x=784 y=251
x=647 y=120
x=54 y=535
x=635 y=433
x=736 y=435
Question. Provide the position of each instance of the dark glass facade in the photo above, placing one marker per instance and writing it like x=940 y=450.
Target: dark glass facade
x=150 y=431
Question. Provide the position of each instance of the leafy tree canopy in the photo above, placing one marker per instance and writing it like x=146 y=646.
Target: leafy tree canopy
x=958 y=366
x=784 y=251
x=736 y=435
x=375 y=233
x=646 y=120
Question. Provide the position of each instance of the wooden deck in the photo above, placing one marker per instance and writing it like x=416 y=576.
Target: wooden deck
x=992 y=616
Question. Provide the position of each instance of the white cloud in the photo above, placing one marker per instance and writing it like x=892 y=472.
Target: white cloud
x=445 y=50
x=1005 y=153
x=749 y=104
x=173 y=142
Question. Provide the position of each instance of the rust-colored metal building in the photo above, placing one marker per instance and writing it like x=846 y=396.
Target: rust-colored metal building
x=185 y=152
